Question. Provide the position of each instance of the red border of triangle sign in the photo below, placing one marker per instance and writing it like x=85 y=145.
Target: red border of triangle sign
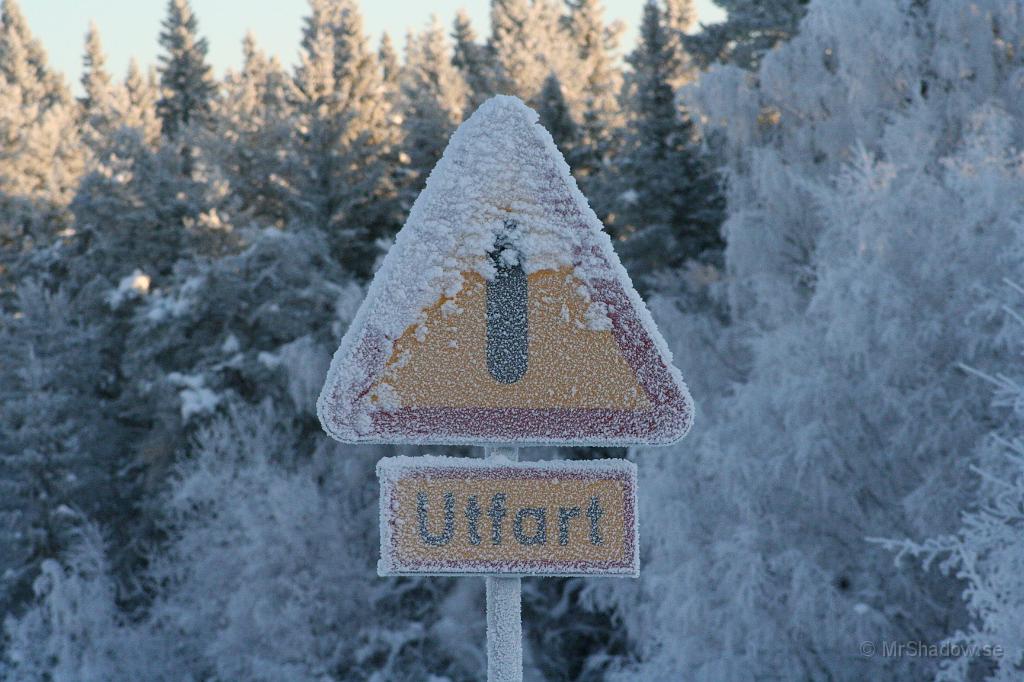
x=501 y=181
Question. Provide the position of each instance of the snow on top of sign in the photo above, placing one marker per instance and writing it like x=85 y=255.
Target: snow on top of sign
x=485 y=176
x=501 y=180
x=432 y=468
x=391 y=468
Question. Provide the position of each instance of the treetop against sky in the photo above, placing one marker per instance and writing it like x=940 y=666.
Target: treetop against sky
x=130 y=28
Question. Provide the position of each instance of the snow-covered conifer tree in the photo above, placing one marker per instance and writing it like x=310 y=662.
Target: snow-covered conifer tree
x=38 y=139
x=509 y=19
x=134 y=209
x=249 y=137
x=345 y=154
x=555 y=117
x=388 y=59
x=48 y=416
x=434 y=94
x=186 y=81
x=23 y=60
x=751 y=28
x=104 y=103
x=472 y=60
x=96 y=82
x=668 y=205
x=140 y=110
x=528 y=41
x=594 y=97
x=680 y=20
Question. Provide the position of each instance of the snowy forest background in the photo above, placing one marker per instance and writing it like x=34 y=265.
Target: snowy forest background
x=822 y=201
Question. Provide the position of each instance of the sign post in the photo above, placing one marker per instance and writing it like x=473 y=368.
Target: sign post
x=504 y=612
x=501 y=318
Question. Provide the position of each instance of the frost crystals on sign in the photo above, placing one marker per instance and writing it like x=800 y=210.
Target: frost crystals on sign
x=521 y=518
x=503 y=316
x=507 y=322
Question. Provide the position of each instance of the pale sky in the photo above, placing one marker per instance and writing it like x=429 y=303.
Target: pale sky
x=130 y=27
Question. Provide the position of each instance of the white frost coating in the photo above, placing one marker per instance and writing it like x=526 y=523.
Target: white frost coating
x=504 y=610
x=504 y=630
x=501 y=176
x=391 y=468
x=132 y=286
x=485 y=178
x=196 y=398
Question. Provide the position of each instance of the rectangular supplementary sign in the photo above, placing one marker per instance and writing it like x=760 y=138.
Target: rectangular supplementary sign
x=460 y=516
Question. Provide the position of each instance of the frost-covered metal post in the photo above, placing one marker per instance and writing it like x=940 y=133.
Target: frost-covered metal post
x=504 y=611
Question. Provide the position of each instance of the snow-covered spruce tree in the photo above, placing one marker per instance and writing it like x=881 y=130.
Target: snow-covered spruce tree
x=105 y=106
x=472 y=60
x=668 y=205
x=50 y=420
x=249 y=137
x=140 y=108
x=42 y=158
x=434 y=94
x=528 y=41
x=680 y=17
x=867 y=216
x=344 y=166
x=388 y=58
x=751 y=28
x=186 y=82
x=145 y=203
x=594 y=97
x=555 y=116
x=513 y=59
x=680 y=20
x=96 y=81
x=391 y=77
x=23 y=60
x=138 y=209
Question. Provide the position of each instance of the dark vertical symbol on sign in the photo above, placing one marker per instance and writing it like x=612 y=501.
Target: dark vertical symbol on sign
x=506 y=319
x=473 y=515
x=444 y=537
x=594 y=513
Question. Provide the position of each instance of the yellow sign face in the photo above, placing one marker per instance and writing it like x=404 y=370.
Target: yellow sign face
x=449 y=348
x=502 y=315
x=454 y=516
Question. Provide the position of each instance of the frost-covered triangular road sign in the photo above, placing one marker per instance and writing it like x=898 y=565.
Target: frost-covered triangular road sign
x=502 y=314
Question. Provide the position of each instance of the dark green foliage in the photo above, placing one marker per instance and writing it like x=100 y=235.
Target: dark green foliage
x=133 y=211
x=669 y=205
x=473 y=61
x=54 y=467
x=185 y=76
x=752 y=28
x=344 y=168
x=554 y=115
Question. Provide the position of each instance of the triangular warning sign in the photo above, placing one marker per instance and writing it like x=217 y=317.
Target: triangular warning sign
x=502 y=314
